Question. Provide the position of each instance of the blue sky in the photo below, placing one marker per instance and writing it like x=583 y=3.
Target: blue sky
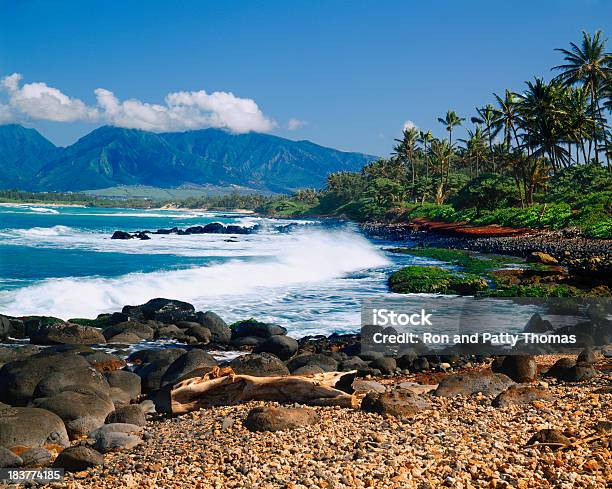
x=353 y=71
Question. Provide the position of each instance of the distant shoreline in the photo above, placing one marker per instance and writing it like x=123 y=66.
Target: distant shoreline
x=39 y=204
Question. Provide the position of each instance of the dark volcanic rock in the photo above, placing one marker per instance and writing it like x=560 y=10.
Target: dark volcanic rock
x=78 y=458
x=520 y=368
x=283 y=347
x=142 y=330
x=142 y=357
x=587 y=356
x=219 y=330
x=19 y=379
x=279 y=418
x=164 y=310
x=31 y=427
x=259 y=365
x=394 y=403
x=200 y=333
x=467 y=384
x=8 y=458
x=537 y=325
x=327 y=363
x=81 y=410
x=132 y=414
x=121 y=235
x=386 y=365
x=104 y=362
x=66 y=334
x=251 y=327
x=248 y=341
x=124 y=381
x=36 y=457
x=85 y=378
x=186 y=363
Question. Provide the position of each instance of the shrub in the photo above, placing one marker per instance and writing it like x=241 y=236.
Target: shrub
x=435 y=280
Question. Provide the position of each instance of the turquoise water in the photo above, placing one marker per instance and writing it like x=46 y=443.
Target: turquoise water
x=61 y=261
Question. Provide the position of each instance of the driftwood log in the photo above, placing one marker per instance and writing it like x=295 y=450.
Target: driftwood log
x=222 y=387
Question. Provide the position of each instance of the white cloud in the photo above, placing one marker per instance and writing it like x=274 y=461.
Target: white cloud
x=40 y=101
x=409 y=125
x=180 y=111
x=295 y=124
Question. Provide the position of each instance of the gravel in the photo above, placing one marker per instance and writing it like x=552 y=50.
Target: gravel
x=459 y=443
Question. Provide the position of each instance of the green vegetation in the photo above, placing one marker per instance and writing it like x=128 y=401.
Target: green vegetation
x=538 y=157
x=436 y=280
x=469 y=263
x=479 y=275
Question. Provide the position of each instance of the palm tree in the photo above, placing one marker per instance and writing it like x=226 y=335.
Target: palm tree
x=424 y=138
x=451 y=120
x=590 y=65
x=579 y=120
x=406 y=150
x=486 y=116
x=442 y=153
x=506 y=116
x=474 y=148
x=543 y=119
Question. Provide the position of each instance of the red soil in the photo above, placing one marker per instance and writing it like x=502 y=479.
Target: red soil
x=465 y=229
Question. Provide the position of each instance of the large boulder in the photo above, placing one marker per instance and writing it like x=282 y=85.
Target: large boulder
x=5 y=327
x=142 y=357
x=82 y=379
x=142 y=330
x=11 y=354
x=31 y=427
x=78 y=458
x=568 y=370
x=36 y=457
x=199 y=332
x=259 y=365
x=386 y=365
x=326 y=362
x=66 y=334
x=113 y=441
x=520 y=368
x=81 y=410
x=152 y=373
x=467 y=384
x=124 y=385
x=251 y=327
x=397 y=402
x=104 y=362
x=219 y=330
x=19 y=379
x=186 y=363
x=164 y=310
x=132 y=414
x=279 y=418
x=283 y=347
x=9 y=459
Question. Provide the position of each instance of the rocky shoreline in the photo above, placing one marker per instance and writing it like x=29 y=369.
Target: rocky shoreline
x=583 y=256
x=416 y=420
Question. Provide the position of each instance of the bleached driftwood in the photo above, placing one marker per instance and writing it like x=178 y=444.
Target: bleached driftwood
x=222 y=387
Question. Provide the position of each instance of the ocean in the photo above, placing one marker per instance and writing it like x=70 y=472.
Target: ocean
x=60 y=261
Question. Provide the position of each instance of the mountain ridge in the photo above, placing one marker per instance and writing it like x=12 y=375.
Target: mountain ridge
x=109 y=156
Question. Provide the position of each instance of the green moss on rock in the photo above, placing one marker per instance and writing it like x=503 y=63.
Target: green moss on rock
x=436 y=280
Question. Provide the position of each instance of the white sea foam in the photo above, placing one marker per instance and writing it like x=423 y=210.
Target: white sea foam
x=304 y=259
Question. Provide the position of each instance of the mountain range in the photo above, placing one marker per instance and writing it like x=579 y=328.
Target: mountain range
x=111 y=156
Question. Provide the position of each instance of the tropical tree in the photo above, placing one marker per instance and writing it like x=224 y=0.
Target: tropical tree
x=475 y=150
x=449 y=121
x=425 y=137
x=506 y=117
x=590 y=65
x=406 y=150
x=542 y=114
x=486 y=116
